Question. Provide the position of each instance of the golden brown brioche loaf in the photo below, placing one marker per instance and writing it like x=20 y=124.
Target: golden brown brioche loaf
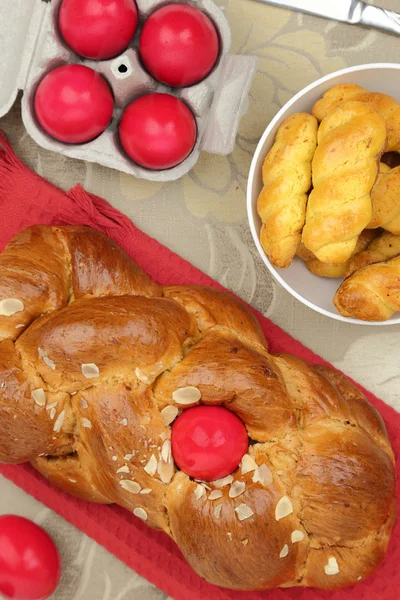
x=334 y=271
x=384 y=104
x=88 y=395
x=385 y=198
x=383 y=248
x=287 y=179
x=371 y=293
x=351 y=140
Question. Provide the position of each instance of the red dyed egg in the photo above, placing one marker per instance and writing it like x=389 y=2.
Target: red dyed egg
x=157 y=131
x=29 y=560
x=98 y=29
x=208 y=442
x=179 y=45
x=73 y=104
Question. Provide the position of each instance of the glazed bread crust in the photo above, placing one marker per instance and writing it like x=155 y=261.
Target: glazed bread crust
x=351 y=140
x=95 y=363
x=287 y=180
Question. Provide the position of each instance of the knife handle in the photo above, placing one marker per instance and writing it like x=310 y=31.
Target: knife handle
x=381 y=18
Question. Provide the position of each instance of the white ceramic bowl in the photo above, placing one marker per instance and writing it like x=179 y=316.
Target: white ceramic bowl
x=313 y=291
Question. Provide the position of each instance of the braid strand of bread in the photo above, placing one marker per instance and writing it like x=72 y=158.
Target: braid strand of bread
x=92 y=353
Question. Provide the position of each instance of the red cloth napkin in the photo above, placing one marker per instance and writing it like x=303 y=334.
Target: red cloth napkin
x=27 y=199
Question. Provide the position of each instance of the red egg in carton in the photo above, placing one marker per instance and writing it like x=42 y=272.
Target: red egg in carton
x=140 y=86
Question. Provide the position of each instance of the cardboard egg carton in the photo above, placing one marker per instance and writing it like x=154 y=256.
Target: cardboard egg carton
x=31 y=46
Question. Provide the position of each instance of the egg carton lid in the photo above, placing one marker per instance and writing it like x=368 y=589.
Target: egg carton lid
x=18 y=44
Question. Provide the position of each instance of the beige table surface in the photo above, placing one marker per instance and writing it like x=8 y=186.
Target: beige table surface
x=202 y=217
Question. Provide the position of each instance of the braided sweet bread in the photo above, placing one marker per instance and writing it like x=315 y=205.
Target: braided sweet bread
x=96 y=363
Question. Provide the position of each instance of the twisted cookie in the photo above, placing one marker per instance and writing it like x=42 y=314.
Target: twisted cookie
x=96 y=364
x=351 y=140
x=287 y=179
x=385 y=198
x=383 y=248
x=384 y=104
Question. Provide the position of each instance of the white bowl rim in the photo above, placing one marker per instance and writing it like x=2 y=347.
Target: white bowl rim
x=256 y=155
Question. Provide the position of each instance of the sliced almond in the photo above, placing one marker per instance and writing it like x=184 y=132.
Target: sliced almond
x=169 y=414
x=39 y=396
x=128 y=456
x=83 y=403
x=186 y=395
x=114 y=458
x=90 y=370
x=72 y=480
x=52 y=413
x=332 y=568
x=297 y=536
x=219 y=483
x=130 y=486
x=166 y=470
x=163 y=436
x=10 y=306
x=229 y=536
x=166 y=451
x=52 y=405
x=245 y=542
x=124 y=422
x=263 y=475
x=283 y=508
x=142 y=376
x=19 y=326
x=247 y=464
x=243 y=512
x=284 y=552
x=145 y=491
x=237 y=488
x=217 y=511
x=199 y=491
x=151 y=466
x=215 y=494
x=124 y=469
x=86 y=423
x=43 y=354
x=141 y=513
x=59 y=422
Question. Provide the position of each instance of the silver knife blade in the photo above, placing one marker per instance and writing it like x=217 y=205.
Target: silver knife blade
x=347 y=11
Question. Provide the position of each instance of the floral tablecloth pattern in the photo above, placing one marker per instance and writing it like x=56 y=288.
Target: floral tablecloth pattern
x=202 y=217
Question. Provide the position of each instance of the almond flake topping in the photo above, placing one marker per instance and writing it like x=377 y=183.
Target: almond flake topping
x=43 y=354
x=124 y=422
x=332 y=568
x=199 y=491
x=166 y=451
x=237 y=488
x=124 y=469
x=83 y=403
x=215 y=494
x=19 y=326
x=217 y=511
x=72 y=480
x=59 y=421
x=141 y=513
x=10 y=306
x=90 y=370
x=229 y=536
x=166 y=470
x=114 y=458
x=145 y=491
x=284 y=552
x=243 y=512
x=52 y=413
x=130 y=486
x=163 y=436
x=263 y=475
x=128 y=456
x=248 y=464
x=219 y=483
x=151 y=466
x=52 y=405
x=283 y=508
x=86 y=423
x=141 y=376
x=186 y=395
x=39 y=396
x=297 y=536
x=245 y=542
x=169 y=414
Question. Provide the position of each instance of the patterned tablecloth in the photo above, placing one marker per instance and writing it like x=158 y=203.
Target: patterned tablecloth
x=202 y=217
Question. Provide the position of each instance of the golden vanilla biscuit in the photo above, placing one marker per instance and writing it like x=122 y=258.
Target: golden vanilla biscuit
x=383 y=248
x=385 y=198
x=384 y=104
x=287 y=179
x=329 y=270
x=351 y=140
